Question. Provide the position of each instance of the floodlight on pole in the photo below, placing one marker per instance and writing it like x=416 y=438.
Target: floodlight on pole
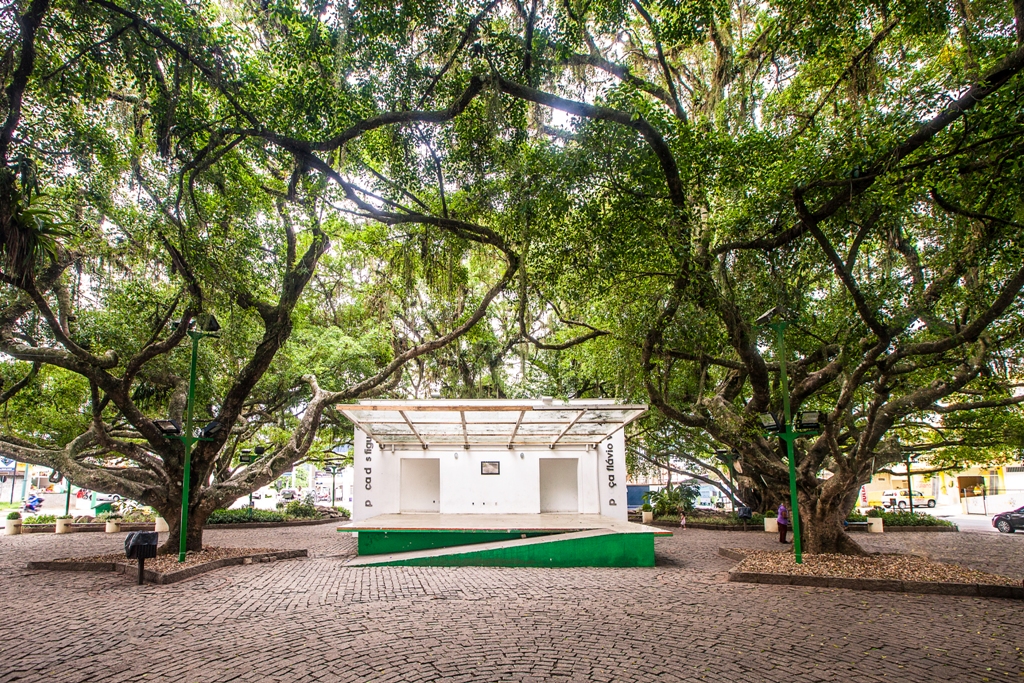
x=210 y=430
x=168 y=427
x=778 y=319
x=809 y=420
x=731 y=459
x=208 y=327
x=770 y=423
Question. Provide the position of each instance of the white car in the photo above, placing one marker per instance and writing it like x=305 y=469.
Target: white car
x=902 y=499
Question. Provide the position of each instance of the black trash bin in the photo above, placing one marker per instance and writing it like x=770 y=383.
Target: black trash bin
x=743 y=512
x=141 y=545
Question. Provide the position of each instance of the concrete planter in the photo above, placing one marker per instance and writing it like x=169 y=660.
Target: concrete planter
x=647 y=516
x=13 y=527
x=64 y=526
x=161 y=526
x=113 y=526
x=771 y=525
x=874 y=525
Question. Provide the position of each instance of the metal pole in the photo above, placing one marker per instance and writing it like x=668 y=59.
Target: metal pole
x=67 y=500
x=788 y=435
x=910 y=484
x=187 y=440
x=334 y=485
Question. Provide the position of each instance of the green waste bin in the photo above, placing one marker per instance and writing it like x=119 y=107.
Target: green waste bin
x=99 y=508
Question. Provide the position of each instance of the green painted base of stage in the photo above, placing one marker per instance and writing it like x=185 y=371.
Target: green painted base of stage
x=448 y=548
x=406 y=540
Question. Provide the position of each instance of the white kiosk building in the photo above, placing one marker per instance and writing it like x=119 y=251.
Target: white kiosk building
x=497 y=482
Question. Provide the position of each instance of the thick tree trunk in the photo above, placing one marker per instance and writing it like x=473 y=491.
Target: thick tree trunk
x=193 y=535
x=821 y=523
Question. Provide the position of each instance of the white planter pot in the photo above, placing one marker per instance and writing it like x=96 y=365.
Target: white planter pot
x=771 y=525
x=161 y=526
x=647 y=515
x=13 y=527
x=874 y=525
x=113 y=527
x=64 y=526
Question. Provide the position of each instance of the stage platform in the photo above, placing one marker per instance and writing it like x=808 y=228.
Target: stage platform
x=534 y=540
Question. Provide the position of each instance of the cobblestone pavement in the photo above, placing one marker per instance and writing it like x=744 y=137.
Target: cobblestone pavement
x=315 y=620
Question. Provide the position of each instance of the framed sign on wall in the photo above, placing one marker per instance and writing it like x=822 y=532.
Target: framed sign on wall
x=490 y=468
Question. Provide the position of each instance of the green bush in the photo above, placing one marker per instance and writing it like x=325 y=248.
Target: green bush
x=672 y=500
x=41 y=519
x=241 y=516
x=756 y=519
x=912 y=519
x=65 y=517
x=646 y=507
x=137 y=516
x=899 y=518
x=300 y=510
x=14 y=515
x=343 y=511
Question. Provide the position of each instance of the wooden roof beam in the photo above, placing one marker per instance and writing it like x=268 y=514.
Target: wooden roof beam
x=515 y=429
x=413 y=428
x=567 y=427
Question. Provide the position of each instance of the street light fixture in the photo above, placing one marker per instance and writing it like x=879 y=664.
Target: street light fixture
x=208 y=327
x=168 y=427
x=810 y=421
x=209 y=430
x=249 y=456
x=769 y=422
x=731 y=459
x=908 y=458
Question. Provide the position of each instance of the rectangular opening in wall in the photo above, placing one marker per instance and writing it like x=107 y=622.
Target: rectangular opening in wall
x=421 y=485
x=490 y=468
x=558 y=485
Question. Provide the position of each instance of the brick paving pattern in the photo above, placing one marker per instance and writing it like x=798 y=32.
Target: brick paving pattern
x=315 y=620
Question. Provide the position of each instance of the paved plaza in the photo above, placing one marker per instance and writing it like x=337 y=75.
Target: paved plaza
x=315 y=620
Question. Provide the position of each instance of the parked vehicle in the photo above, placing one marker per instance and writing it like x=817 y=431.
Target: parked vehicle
x=1008 y=522
x=289 y=494
x=902 y=498
x=107 y=497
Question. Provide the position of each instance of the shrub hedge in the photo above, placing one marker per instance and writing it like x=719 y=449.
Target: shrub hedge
x=40 y=519
x=241 y=516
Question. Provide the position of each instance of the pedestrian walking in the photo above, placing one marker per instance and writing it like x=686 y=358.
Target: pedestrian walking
x=783 y=520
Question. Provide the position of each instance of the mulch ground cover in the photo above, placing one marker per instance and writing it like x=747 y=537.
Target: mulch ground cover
x=891 y=567
x=169 y=563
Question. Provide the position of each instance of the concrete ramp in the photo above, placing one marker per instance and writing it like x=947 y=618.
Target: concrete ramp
x=589 y=548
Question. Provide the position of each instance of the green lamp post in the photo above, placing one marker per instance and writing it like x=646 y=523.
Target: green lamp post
x=808 y=425
x=730 y=458
x=208 y=327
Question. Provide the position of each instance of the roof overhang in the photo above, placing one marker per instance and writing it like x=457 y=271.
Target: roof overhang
x=490 y=423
